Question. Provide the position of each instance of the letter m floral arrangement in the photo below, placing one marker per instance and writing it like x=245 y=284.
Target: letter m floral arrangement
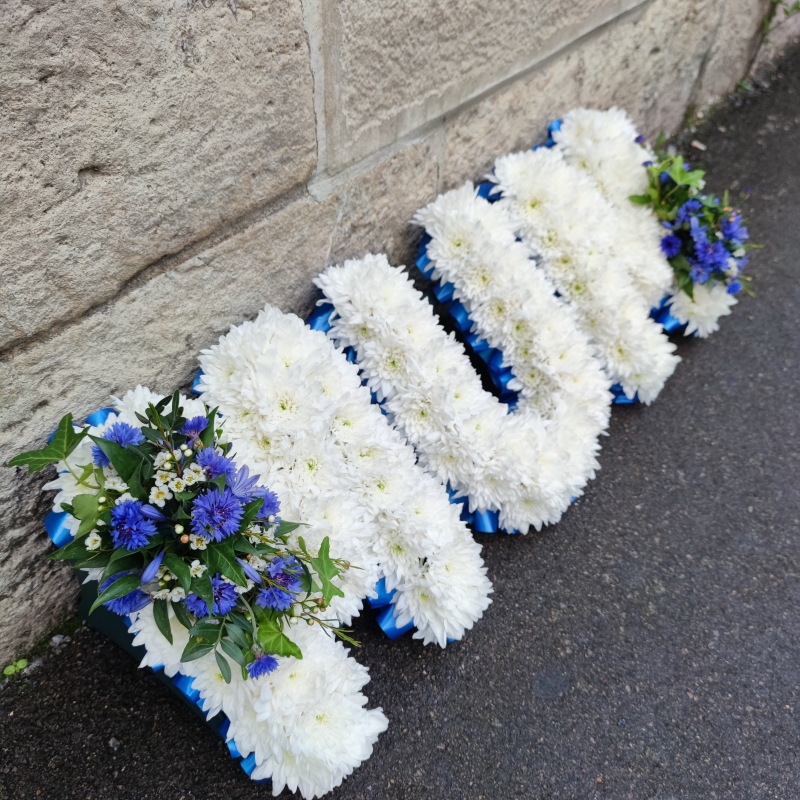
x=216 y=586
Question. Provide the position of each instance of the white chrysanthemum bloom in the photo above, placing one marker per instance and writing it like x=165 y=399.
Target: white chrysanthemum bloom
x=561 y=214
x=535 y=459
x=701 y=314
x=296 y=413
x=310 y=729
x=603 y=145
x=513 y=305
x=158 y=649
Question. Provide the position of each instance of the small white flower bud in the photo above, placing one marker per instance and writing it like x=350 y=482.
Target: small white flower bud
x=271 y=518
x=179 y=529
x=101 y=499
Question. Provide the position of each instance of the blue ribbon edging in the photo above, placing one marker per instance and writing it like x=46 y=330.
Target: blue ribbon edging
x=115 y=627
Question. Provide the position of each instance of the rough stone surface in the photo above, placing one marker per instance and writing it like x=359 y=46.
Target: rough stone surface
x=651 y=63
x=133 y=129
x=397 y=65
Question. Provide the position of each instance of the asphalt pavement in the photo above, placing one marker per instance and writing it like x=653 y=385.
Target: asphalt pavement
x=644 y=647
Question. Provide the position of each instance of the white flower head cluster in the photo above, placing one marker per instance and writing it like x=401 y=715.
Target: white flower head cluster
x=296 y=412
x=603 y=145
x=305 y=721
x=513 y=305
x=464 y=435
x=701 y=312
x=559 y=211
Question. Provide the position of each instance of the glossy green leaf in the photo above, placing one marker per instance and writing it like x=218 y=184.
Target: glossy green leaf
x=180 y=568
x=161 y=616
x=224 y=666
x=119 y=588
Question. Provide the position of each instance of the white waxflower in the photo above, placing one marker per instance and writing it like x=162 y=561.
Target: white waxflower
x=93 y=541
x=198 y=542
x=159 y=495
x=162 y=459
x=176 y=594
x=123 y=498
x=190 y=478
x=196 y=569
x=160 y=594
x=115 y=483
x=177 y=484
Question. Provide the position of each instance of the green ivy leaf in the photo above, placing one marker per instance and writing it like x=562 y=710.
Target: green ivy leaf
x=326 y=570
x=274 y=640
x=161 y=616
x=126 y=462
x=64 y=441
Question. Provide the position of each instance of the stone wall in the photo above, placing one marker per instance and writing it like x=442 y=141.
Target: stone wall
x=170 y=167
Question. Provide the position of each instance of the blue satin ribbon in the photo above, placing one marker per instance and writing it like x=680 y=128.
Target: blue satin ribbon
x=196 y=382
x=388 y=623
x=384 y=597
x=661 y=314
x=55 y=523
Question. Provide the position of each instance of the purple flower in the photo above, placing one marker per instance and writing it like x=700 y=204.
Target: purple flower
x=251 y=572
x=215 y=465
x=151 y=512
x=121 y=433
x=192 y=429
x=263 y=665
x=734 y=287
x=225 y=597
x=671 y=245
x=216 y=514
x=243 y=485
x=128 y=603
x=129 y=526
x=686 y=210
x=151 y=570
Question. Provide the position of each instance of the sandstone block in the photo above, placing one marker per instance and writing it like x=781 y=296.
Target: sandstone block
x=132 y=129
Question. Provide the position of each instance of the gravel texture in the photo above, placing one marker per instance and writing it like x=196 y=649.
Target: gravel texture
x=645 y=647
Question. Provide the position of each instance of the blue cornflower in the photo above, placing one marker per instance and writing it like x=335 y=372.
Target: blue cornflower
x=671 y=245
x=225 y=597
x=192 y=429
x=263 y=665
x=686 y=210
x=647 y=163
x=709 y=255
x=285 y=571
x=639 y=139
x=663 y=177
x=274 y=598
x=129 y=526
x=271 y=506
x=121 y=433
x=733 y=230
x=216 y=514
x=215 y=465
x=699 y=273
x=128 y=603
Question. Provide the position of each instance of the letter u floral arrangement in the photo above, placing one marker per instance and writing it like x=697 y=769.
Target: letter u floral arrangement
x=344 y=461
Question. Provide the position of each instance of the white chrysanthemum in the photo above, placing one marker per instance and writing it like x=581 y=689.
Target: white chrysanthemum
x=701 y=314
x=513 y=305
x=296 y=413
x=159 y=650
x=462 y=434
x=562 y=215
x=603 y=145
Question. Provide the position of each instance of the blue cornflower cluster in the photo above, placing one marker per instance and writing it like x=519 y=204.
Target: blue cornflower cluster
x=283 y=584
x=713 y=252
x=185 y=531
